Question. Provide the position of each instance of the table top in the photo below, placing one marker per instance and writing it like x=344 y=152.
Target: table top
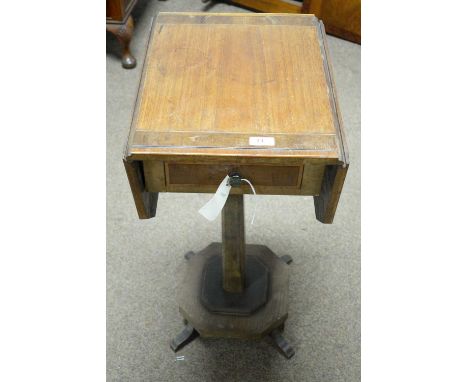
x=237 y=85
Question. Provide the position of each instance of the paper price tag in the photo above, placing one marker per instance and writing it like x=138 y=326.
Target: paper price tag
x=261 y=141
x=214 y=206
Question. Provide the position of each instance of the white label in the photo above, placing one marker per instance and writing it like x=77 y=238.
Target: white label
x=214 y=206
x=261 y=141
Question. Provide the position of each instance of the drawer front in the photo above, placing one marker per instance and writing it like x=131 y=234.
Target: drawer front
x=211 y=175
x=270 y=179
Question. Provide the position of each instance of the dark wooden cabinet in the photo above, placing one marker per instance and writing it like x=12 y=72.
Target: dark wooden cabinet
x=119 y=22
x=118 y=10
x=342 y=18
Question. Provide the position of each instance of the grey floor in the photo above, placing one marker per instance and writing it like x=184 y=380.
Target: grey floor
x=145 y=257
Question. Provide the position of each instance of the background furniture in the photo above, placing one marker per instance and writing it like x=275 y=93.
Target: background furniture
x=275 y=122
x=342 y=18
x=120 y=23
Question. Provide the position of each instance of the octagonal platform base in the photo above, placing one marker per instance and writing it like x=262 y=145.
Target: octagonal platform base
x=256 y=325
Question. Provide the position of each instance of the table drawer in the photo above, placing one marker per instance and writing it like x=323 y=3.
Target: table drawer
x=212 y=174
x=274 y=179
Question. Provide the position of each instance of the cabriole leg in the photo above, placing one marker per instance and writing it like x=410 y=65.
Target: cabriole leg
x=124 y=32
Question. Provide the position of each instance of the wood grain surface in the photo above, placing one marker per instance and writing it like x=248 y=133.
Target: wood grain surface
x=213 y=81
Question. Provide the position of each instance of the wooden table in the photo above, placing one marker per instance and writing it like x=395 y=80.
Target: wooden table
x=247 y=94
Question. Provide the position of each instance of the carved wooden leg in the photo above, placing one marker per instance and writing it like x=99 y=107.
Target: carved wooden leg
x=123 y=32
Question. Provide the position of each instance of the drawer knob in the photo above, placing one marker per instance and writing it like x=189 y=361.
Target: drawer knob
x=235 y=179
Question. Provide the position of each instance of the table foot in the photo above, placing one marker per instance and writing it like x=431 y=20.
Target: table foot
x=287 y=259
x=189 y=254
x=187 y=335
x=282 y=344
